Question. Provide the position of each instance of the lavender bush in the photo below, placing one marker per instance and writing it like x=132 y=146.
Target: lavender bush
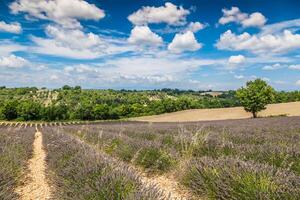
x=15 y=151
x=79 y=172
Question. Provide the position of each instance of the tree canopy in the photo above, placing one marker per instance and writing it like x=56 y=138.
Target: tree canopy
x=255 y=96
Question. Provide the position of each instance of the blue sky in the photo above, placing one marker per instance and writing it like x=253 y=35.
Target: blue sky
x=203 y=44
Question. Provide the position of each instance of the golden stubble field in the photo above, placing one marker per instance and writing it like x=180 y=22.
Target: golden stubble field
x=288 y=109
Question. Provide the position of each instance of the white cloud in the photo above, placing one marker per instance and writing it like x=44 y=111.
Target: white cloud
x=55 y=48
x=239 y=77
x=272 y=67
x=298 y=82
x=255 y=19
x=8 y=47
x=170 y=14
x=13 y=61
x=235 y=15
x=81 y=68
x=232 y=15
x=295 y=67
x=195 y=27
x=259 y=44
x=279 y=82
x=139 y=69
x=54 y=77
x=64 y=12
x=278 y=27
x=236 y=59
x=184 y=42
x=266 y=79
x=11 y=28
x=74 y=43
x=73 y=38
x=142 y=35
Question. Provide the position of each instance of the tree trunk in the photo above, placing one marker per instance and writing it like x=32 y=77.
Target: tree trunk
x=254 y=114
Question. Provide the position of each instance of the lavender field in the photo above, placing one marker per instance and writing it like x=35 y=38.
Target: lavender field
x=231 y=159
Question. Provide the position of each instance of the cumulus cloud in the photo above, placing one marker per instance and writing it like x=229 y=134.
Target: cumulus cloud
x=298 y=82
x=64 y=12
x=232 y=15
x=73 y=38
x=255 y=19
x=13 y=61
x=184 y=42
x=259 y=44
x=239 y=77
x=54 y=77
x=142 y=35
x=81 y=68
x=11 y=28
x=279 y=82
x=236 y=59
x=266 y=79
x=76 y=44
x=235 y=15
x=195 y=27
x=294 y=67
x=169 y=13
x=272 y=67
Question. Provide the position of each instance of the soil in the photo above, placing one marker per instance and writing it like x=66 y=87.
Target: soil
x=35 y=185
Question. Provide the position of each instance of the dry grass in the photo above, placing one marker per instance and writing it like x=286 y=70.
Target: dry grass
x=289 y=109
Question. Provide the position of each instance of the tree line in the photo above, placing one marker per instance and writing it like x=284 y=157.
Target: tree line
x=74 y=103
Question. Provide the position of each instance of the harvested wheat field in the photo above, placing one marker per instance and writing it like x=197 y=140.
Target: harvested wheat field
x=288 y=109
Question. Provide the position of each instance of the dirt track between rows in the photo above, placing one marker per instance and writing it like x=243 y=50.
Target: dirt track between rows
x=36 y=186
x=289 y=109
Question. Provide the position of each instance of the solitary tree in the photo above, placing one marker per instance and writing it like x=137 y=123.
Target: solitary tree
x=255 y=96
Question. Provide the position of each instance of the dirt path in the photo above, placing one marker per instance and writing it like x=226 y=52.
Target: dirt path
x=169 y=185
x=36 y=186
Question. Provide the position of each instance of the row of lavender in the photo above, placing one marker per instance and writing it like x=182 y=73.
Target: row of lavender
x=77 y=171
x=234 y=159
x=15 y=151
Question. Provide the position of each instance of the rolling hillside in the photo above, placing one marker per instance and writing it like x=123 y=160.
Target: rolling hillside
x=289 y=109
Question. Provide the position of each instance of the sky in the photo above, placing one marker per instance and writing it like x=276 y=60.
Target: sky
x=143 y=44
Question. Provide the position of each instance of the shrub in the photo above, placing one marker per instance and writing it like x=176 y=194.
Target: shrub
x=79 y=172
x=228 y=178
x=15 y=151
x=120 y=149
x=154 y=159
x=168 y=140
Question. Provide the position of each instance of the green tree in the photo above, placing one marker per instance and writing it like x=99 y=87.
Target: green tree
x=9 y=110
x=255 y=96
x=29 y=110
x=101 y=111
x=67 y=87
